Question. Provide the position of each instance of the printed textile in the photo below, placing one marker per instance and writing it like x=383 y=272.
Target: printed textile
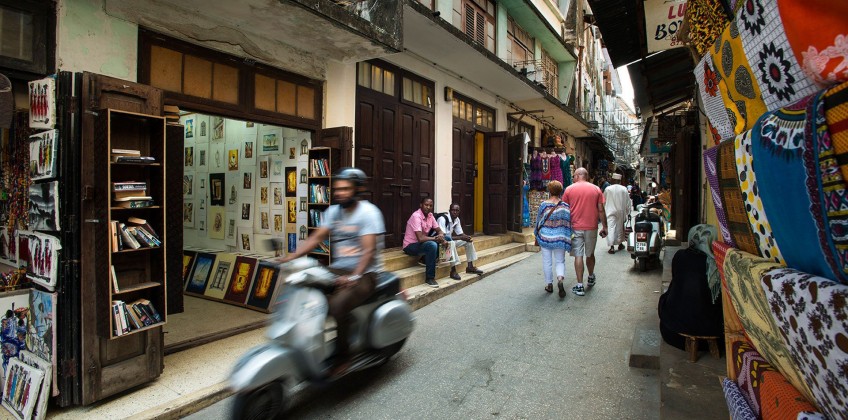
x=711 y=169
x=536 y=172
x=751 y=194
x=554 y=230
x=743 y=273
x=812 y=316
x=731 y=200
x=820 y=39
x=780 y=399
x=782 y=142
x=750 y=377
x=708 y=80
x=706 y=20
x=742 y=96
x=738 y=349
x=732 y=324
x=556 y=168
x=836 y=114
x=736 y=404
x=776 y=69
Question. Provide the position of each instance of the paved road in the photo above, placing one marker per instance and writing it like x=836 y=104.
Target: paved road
x=504 y=348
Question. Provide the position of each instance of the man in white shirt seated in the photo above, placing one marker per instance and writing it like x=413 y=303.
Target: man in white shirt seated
x=449 y=224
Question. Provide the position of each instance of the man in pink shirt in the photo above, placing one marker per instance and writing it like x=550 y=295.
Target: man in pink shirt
x=417 y=240
x=587 y=208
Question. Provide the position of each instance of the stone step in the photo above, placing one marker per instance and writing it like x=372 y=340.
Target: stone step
x=526 y=236
x=414 y=276
x=421 y=295
x=395 y=259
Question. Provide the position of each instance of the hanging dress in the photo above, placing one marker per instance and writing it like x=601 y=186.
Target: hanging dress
x=536 y=172
x=525 y=206
x=565 y=164
x=546 y=172
x=556 y=169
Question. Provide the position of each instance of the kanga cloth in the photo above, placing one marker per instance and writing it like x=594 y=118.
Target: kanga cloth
x=736 y=404
x=708 y=79
x=833 y=188
x=706 y=20
x=743 y=273
x=753 y=204
x=731 y=200
x=782 y=142
x=742 y=97
x=711 y=170
x=780 y=400
x=812 y=316
x=750 y=377
x=836 y=114
x=819 y=39
x=776 y=69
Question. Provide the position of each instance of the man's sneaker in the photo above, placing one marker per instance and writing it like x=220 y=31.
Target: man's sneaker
x=578 y=290
x=591 y=280
x=432 y=283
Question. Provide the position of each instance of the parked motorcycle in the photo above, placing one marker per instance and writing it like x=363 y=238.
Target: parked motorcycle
x=645 y=243
x=301 y=339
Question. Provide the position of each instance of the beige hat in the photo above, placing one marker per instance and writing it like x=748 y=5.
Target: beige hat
x=616 y=176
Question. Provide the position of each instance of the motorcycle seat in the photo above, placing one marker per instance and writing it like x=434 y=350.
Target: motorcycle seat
x=387 y=284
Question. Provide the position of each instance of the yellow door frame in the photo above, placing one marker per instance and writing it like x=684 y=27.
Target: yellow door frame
x=479 y=139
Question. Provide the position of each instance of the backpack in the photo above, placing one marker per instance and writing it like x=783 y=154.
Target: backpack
x=447 y=219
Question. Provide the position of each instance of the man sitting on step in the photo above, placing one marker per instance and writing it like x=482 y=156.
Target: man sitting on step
x=449 y=224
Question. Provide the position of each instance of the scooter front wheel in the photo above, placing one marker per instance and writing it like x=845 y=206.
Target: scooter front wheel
x=266 y=402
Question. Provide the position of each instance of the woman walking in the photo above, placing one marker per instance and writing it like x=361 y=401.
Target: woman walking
x=553 y=233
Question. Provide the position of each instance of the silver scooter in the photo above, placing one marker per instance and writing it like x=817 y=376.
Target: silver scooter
x=301 y=339
x=645 y=243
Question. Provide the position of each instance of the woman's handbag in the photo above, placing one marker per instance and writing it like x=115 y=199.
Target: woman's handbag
x=628 y=226
x=539 y=225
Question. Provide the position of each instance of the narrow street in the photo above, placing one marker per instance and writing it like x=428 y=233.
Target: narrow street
x=504 y=348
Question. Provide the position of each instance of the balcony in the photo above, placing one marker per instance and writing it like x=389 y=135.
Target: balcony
x=265 y=31
x=543 y=74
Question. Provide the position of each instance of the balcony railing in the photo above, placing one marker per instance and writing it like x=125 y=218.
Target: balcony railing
x=545 y=75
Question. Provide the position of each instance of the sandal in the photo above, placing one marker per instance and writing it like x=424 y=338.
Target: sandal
x=549 y=288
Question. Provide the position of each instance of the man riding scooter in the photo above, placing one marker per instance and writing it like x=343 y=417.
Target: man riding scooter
x=355 y=228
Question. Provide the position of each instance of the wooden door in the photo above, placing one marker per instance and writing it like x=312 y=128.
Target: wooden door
x=495 y=183
x=514 y=172
x=108 y=366
x=464 y=170
x=395 y=148
x=340 y=138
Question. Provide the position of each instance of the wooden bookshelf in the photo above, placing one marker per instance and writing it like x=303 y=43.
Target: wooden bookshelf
x=323 y=163
x=140 y=273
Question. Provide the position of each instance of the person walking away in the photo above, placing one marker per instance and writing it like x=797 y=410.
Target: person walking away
x=355 y=228
x=617 y=206
x=586 y=202
x=417 y=240
x=553 y=233
x=450 y=224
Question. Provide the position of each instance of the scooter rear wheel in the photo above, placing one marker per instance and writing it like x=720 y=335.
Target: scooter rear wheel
x=643 y=264
x=262 y=403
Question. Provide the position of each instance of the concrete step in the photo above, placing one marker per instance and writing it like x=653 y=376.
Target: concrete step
x=414 y=276
x=395 y=259
x=526 y=236
x=422 y=295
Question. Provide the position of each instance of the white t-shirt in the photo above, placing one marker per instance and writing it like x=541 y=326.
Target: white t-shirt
x=346 y=231
x=455 y=226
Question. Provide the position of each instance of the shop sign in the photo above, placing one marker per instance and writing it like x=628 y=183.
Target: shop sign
x=663 y=19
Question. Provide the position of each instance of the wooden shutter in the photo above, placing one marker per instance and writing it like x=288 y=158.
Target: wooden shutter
x=469 y=20
x=480 y=29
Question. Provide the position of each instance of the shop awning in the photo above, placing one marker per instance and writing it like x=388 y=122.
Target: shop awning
x=663 y=80
x=622 y=26
x=598 y=145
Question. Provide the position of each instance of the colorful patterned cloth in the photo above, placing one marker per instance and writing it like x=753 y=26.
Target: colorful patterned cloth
x=706 y=20
x=742 y=97
x=708 y=80
x=753 y=204
x=750 y=377
x=743 y=273
x=732 y=202
x=776 y=69
x=782 y=142
x=780 y=400
x=711 y=170
x=812 y=317
x=819 y=39
x=736 y=404
x=836 y=114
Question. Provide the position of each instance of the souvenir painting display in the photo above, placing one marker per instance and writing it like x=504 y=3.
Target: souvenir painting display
x=41 y=337
x=40 y=253
x=44 y=206
x=245 y=239
x=43 y=397
x=42 y=155
x=42 y=103
x=217 y=189
x=200 y=274
x=264 y=286
x=21 y=387
x=8 y=247
x=240 y=280
x=216 y=222
x=14 y=308
x=221 y=273
x=188 y=263
x=188 y=214
x=291 y=181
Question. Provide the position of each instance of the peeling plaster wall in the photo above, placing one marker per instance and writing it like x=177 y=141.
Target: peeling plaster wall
x=87 y=39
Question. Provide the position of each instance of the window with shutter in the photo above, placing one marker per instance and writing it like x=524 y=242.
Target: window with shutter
x=469 y=20
x=479 y=25
x=480 y=29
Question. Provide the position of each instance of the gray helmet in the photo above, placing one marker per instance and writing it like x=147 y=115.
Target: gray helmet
x=355 y=175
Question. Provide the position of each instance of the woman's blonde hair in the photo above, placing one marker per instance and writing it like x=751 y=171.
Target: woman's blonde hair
x=555 y=188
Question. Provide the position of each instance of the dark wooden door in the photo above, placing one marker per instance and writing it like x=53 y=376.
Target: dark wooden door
x=495 y=154
x=395 y=147
x=109 y=366
x=464 y=171
x=515 y=144
x=340 y=138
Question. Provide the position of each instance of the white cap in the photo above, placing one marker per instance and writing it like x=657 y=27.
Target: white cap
x=616 y=176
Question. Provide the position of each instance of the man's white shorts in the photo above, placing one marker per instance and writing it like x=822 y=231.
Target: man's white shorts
x=583 y=243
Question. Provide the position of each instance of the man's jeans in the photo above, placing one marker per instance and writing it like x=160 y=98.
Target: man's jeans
x=430 y=251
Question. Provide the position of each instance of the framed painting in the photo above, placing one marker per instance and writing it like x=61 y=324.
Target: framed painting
x=264 y=286
x=217 y=128
x=40 y=254
x=200 y=273
x=220 y=277
x=188 y=157
x=216 y=222
x=240 y=280
x=42 y=103
x=41 y=336
x=42 y=155
x=217 y=189
x=44 y=206
x=201 y=129
x=21 y=387
x=188 y=263
x=291 y=181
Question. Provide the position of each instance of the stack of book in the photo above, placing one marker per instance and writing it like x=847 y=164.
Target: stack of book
x=133 y=316
x=131 y=194
x=323 y=247
x=139 y=234
x=130 y=156
x=172 y=114
x=319 y=167
x=315 y=217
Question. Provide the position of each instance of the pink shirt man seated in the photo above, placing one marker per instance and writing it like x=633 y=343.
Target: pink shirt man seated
x=416 y=241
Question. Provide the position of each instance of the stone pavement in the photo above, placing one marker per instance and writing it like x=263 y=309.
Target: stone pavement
x=502 y=347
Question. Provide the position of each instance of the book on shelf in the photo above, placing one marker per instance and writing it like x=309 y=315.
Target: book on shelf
x=323 y=247
x=128 y=238
x=128 y=317
x=319 y=194
x=319 y=167
x=114 y=279
x=133 y=159
x=133 y=204
x=150 y=308
x=129 y=186
x=125 y=152
x=143 y=223
x=316 y=217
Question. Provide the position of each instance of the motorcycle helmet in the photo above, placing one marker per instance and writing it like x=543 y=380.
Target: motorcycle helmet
x=355 y=175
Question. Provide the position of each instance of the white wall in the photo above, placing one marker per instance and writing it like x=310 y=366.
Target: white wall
x=551 y=13
x=340 y=97
x=87 y=39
